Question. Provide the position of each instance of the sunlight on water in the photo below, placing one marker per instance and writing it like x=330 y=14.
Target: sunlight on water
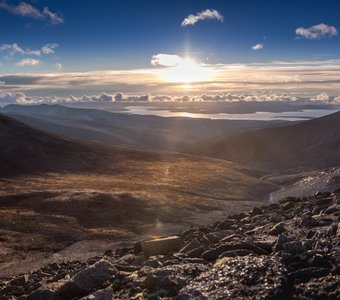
x=261 y=116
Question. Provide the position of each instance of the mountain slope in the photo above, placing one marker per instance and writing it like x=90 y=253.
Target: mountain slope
x=24 y=149
x=310 y=144
x=147 y=132
x=94 y=195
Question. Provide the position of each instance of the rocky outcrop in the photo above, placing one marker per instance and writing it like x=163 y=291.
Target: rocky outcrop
x=287 y=250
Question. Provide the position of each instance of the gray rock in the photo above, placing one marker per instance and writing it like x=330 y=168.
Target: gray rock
x=100 y=295
x=281 y=240
x=161 y=246
x=277 y=229
x=293 y=247
x=167 y=281
x=240 y=278
x=86 y=281
x=256 y=211
x=304 y=275
x=324 y=202
x=190 y=246
x=197 y=252
x=226 y=224
x=19 y=281
x=153 y=262
x=234 y=253
x=308 y=221
x=41 y=295
x=214 y=253
x=332 y=209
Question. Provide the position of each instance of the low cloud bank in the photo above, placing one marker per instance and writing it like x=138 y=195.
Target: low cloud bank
x=21 y=98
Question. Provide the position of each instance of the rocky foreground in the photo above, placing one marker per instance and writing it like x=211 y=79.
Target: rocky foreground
x=287 y=250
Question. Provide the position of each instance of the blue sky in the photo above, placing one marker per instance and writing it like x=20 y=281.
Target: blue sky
x=94 y=35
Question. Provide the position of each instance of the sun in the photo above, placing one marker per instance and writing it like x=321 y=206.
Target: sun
x=186 y=71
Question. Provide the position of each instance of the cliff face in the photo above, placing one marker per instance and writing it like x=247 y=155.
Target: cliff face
x=287 y=250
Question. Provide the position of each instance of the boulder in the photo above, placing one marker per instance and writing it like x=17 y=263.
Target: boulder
x=100 y=295
x=20 y=281
x=161 y=246
x=308 y=221
x=90 y=279
x=277 y=229
x=281 y=240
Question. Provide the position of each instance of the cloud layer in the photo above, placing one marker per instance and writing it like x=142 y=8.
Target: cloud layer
x=316 y=32
x=208 y=14
x=21 y=98
x=299 y=78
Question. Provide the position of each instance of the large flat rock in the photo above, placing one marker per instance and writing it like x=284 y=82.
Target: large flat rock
x=161 y=246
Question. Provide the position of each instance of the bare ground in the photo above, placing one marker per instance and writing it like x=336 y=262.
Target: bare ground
x=65 y=216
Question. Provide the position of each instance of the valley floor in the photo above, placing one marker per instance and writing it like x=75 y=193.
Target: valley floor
x=66 y=216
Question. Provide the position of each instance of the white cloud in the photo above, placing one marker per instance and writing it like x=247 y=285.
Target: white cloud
x=27 y=10
x=208 y=14
x=316 y=32
x=58 y=66
x=12 y=98
x=165 y=60
x=49 y=48
x=336 y=100
x=322 y=97
x=257 y=47
x=119 y=97
x=28 y=62
x=105 y=97
x=54 y=18
x=13 y=49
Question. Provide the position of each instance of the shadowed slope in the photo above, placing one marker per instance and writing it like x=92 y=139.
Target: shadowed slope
x=24 y=149
x=310 y=144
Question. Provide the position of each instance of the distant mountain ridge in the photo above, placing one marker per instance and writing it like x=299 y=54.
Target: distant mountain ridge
x=310 y=144
x=146 y=132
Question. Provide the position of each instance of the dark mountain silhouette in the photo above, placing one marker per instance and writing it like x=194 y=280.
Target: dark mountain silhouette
x=309 y=144
x=25 y=149
x=147 y=132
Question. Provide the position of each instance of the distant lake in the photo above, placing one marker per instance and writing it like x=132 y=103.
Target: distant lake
x=264 y=116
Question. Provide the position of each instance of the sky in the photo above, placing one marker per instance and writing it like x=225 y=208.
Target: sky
x=70 y=49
